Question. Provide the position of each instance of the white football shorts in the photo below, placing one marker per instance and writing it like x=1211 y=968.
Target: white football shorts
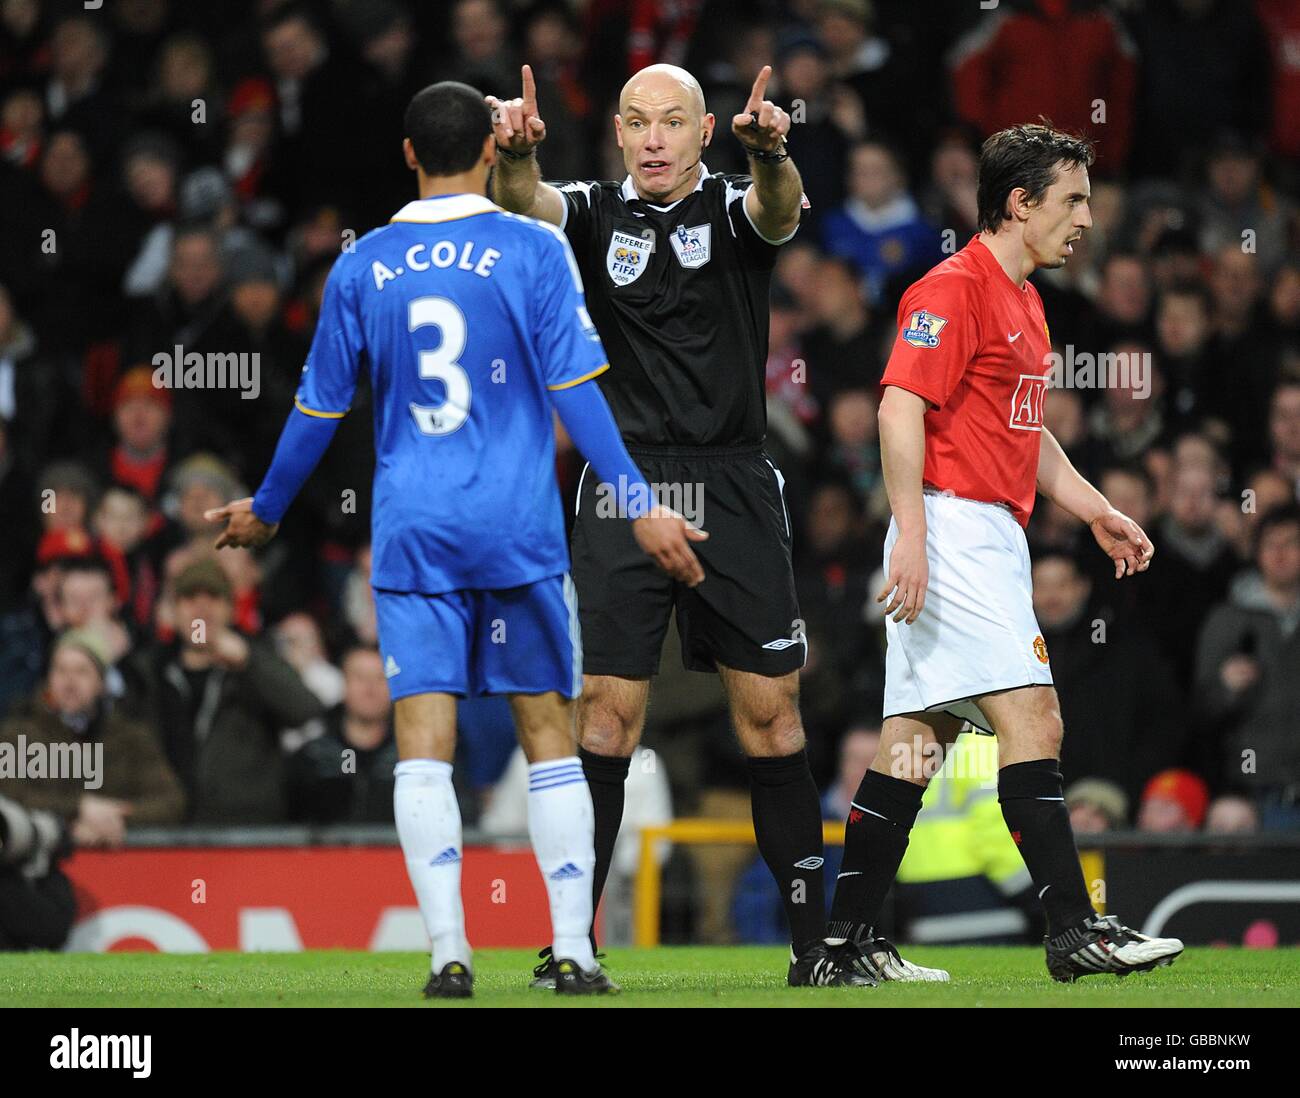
x=977 y=633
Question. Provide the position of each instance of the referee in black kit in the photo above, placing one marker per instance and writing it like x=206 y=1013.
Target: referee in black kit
x=677 y=265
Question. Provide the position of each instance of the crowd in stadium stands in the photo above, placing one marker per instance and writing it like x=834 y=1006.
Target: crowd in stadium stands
x=178 y=178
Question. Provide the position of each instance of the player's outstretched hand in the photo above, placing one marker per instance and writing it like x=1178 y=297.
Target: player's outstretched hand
x=666 y=538
x=515 y=122
x=1124 y=541
x=762 y=124
x=244 y=530
x=909 y=576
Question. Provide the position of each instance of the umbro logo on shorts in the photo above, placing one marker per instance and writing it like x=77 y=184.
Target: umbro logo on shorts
x=810 y=863
x=781 y=644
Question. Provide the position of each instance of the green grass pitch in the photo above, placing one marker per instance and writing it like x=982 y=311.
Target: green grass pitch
x=737 y=976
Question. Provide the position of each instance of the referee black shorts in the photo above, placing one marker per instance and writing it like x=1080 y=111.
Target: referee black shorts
x=744 y=615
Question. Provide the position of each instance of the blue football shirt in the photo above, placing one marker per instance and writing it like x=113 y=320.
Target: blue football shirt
x=465 y=316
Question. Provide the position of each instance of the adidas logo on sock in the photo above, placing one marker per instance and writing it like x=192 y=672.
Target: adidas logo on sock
x=450 y=856
x=567 y=872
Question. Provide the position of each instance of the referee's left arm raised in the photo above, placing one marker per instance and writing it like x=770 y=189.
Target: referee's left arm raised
x=773 y=202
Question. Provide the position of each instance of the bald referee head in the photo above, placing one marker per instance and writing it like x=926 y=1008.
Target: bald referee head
x=663 y=128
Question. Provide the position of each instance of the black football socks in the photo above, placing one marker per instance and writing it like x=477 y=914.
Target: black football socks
x=788 y=825
x=606 y=777
x=875 y=840
x=1033 y=805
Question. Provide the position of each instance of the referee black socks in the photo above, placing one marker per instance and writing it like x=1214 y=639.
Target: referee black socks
x=1033 y=805
x=875 y=840
x=606 y=776
x=788 y=826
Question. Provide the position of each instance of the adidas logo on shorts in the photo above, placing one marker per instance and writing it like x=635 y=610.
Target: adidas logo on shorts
x=391 y=668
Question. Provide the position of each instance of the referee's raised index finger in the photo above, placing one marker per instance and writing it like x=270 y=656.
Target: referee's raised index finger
x=760 y=86
x=530 y=91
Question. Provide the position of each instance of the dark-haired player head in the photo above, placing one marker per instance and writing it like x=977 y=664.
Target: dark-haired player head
x=449 y=143
x=1033 y=196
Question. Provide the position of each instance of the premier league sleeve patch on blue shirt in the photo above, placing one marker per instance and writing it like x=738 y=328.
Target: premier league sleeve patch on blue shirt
x=923 y=329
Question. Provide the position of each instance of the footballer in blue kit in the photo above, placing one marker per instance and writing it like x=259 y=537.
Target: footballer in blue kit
x=472 y=325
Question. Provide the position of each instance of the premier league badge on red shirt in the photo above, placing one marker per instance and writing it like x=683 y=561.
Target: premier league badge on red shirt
x=923 y=329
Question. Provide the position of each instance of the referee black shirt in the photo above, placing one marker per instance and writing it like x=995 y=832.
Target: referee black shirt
x=679 y=295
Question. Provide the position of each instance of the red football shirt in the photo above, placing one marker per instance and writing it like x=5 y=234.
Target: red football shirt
x=975 y=346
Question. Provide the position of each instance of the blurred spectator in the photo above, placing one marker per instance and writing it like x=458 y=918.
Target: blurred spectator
x=221 y=700
x=844 y=349
x=880 y=228
x=141 y=423
x=1284 y=431
x=298 y=640
x=483 y=58
x=1130 y=420
x=1182 y=338
x=831 y=118
x=1196 y=565
x=1236 y=209
x=1231 y=815
x=1248 y=692
x=1223 y=44
x=150 y=168
x=1119 y=702
x=123 y=521
x=1096 y=806
x=854 y=450
x=320 y=93
x=123 y=777
x=1173 y=801
x=1045 y=52
x=87 y=602
x=345 y=775
x=38 y=406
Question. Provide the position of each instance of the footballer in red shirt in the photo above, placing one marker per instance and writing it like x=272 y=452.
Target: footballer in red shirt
x=964 y=452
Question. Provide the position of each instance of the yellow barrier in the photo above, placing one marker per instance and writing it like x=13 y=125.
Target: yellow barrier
x=695 y=832
x=698 y=832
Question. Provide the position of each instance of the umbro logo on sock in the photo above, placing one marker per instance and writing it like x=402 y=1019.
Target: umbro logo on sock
x=391 y=668
x=567 y=872
x=810 y=863
x=450 y=856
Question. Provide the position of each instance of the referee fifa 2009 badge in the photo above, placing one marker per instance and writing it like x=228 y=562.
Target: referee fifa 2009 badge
x=628 y=257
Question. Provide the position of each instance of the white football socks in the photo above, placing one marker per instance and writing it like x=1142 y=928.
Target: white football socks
x=561 y=823
x=428 y=825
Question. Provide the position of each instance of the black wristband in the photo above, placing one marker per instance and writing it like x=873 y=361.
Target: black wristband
x=776 y=156
x=510 y=154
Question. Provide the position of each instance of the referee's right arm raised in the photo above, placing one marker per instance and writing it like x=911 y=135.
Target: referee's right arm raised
x=517 y=180
x=902 y=459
